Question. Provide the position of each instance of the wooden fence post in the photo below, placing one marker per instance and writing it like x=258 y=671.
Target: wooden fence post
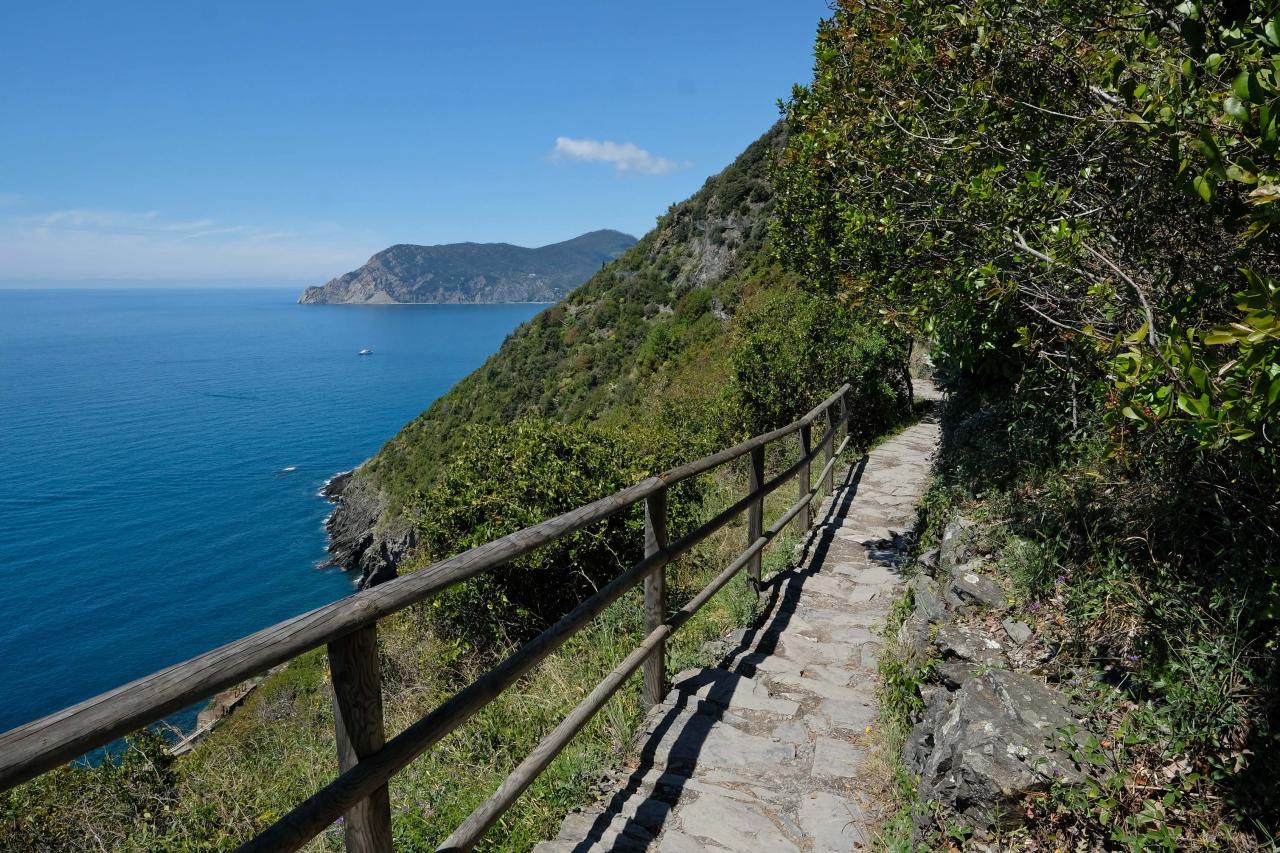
x=829 y=478
x=655 y=596
x=357 y=717
x=844 y=415
x=805 y=518
x=755 y=514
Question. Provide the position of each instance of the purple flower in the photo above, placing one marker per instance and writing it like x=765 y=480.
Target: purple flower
x=1132 y=658
x=1061 y=580
x=1034 y=607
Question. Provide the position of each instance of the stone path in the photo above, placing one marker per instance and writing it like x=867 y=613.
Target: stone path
x=766 y=751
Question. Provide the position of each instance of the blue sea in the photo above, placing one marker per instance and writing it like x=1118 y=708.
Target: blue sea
x=160 y=457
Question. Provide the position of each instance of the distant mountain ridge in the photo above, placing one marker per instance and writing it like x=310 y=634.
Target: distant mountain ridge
x=472 y=272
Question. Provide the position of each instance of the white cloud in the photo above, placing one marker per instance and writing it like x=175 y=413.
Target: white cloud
x=626 y=156
x=84 y=243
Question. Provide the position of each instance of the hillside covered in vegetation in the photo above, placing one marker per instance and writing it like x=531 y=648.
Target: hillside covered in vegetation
x=1076 y=204
x=691 y=339
x=472 y=272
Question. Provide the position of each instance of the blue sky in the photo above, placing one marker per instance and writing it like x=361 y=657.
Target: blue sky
x=288 y=141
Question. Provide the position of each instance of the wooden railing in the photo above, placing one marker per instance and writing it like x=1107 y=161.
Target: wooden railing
x=349 y=627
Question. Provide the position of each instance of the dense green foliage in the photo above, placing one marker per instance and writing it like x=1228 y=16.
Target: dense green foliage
x=793 y=349
x=1075 y=203
x=503 y=479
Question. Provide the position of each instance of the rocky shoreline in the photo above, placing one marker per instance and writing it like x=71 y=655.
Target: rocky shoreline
x=359 y=538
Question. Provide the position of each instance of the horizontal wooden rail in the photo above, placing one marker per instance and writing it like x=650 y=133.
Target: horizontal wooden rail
x=483 y=818
x=325 y=806
x=31 y=749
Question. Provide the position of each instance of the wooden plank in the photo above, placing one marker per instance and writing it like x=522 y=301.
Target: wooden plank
x=844 y=412
x=655 y=596
x=804 y=486
x=829 y=444
x=755 y=513
x=357 y=717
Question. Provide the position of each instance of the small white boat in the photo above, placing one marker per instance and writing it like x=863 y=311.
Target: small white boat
x=365 y=352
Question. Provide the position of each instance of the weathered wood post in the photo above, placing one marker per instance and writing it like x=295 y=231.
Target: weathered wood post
x=805 y=518
x=844 y=414
x=655 y=596
x=755 y=513
x=357 y=717
x=829 y=478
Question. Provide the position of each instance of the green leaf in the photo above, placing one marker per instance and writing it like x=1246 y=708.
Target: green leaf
x=1241 y=175
x=1219 y=336
x=1241 y=85
x=1137 y=335
x=1235 y=108
x=1203 y=187
x=1199 y=377
x=1272 y=32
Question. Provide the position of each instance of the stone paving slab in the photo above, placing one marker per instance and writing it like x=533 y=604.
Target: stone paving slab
x=764 y=752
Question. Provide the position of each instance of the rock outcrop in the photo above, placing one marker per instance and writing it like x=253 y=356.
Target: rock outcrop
x=357 y=539
x=989 y=736
x=984 y=748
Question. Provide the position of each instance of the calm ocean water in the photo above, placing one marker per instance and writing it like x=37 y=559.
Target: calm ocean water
x=160 y=455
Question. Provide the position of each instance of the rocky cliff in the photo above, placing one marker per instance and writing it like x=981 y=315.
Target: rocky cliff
x=472 y=272
x=357 y=539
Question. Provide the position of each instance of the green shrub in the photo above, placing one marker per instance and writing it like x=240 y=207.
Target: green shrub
x=1075 y=202
x=791 y=349
x=503 y=479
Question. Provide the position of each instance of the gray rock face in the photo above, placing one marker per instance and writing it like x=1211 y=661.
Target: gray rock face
x=957 y=547
x=968 y=644
x=928 y=598
x=972 y=589
x=981 y=750
x=1019 y=632
x=355 y=540
x=914 y=638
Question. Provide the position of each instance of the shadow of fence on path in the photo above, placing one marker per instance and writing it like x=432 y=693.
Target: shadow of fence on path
x=646 y=818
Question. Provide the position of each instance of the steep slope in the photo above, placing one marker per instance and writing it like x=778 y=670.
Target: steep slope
x=473 y=272
x=658 y=317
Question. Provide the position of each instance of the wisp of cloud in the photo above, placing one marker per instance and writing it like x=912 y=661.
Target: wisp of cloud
x=625 y=156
